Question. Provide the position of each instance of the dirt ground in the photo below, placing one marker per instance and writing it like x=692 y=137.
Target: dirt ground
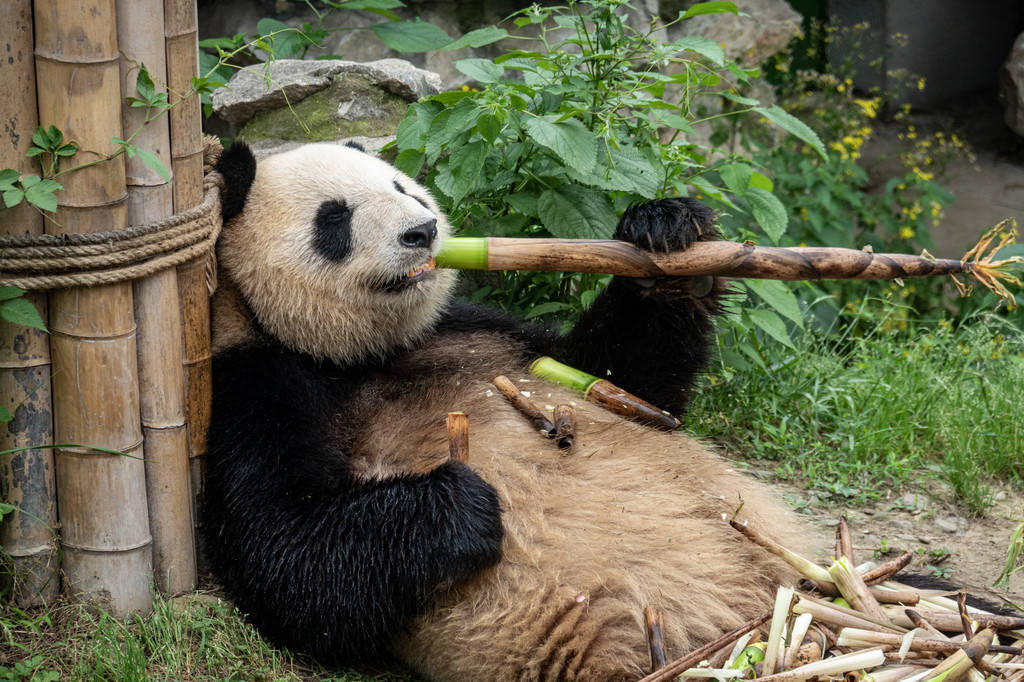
x=968 y=551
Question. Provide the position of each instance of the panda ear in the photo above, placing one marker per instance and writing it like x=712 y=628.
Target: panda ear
x=238 y=166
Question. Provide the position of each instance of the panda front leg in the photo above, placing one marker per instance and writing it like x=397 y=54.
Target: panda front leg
x=651 y=337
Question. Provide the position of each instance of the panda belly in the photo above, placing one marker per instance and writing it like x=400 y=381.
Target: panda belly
x=629 y=517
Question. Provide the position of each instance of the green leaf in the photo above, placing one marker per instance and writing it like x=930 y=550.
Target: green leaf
x=411 y=36
x=40 y=139
x=154 y=162
x=7 y=293
x=41 y=195
x=573 y=212
x=13 y=197
x=702 y=46
x=8 y=176
x=286 y=41
x=481 y=70
x=218 y=43
x=771 y=324
x=489 y=127
x=20 y=311
x=523 y=202
x=761 y=181
x=794 y=126
x=5 y=417
x=30 y=180
x=745 y=101
x=678 y=122
x=768 y=211
x=144 y=84
x=546 y=308
x=736 y=177
x=378 y=7
x=709 y=8
x=461 y=172
x=779 y=297
x=569 y=140
x=478 y=38
x=410 y=162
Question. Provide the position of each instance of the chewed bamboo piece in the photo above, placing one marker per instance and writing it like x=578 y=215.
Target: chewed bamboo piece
x=457 y=424
x=735 y=259
x=808 y=637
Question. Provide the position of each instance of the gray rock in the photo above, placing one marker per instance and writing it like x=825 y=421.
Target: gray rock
x=285 y=82
x=950 y=525
x=766 y=30
x=270 y=146
x=1011 y=87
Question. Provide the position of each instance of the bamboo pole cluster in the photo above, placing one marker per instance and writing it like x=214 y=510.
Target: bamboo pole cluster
x=856 y=623
x=104 y=393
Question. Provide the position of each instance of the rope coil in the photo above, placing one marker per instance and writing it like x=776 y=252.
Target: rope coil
x=60 y=261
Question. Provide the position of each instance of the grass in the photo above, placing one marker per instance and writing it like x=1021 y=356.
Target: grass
x=873 y=409
x=191 y=638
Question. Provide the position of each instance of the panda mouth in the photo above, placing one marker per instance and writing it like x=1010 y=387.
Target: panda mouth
x=417 y=274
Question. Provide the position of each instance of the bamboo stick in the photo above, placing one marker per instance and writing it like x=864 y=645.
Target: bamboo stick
x=457 y=424
x=949 y=621
x=523 y=404
x=604 y=393
x=844 y=544
x=565 y=425
x=27 y=534
x=181 y=43
x=959 y=663
x=852 y=587
x=887 y=569
x=654 y=625
x=804 y=566
x=101 y=497
x=691 y=659
x=836 y=665
x=834 y=614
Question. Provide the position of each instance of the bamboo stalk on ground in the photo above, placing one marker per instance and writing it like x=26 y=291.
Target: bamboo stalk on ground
x=181 y=31
x=730 y=259
x=691 y=659
x=963 y=660
x=26 y=535
x=889 y=568
x=852 y=587
x=457 y=424
x=844 y=544
x=654 y=625
x=101 y=497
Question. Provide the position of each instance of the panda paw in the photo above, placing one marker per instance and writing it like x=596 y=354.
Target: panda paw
x=473 y=530
x=667 y=224
x=670 y=225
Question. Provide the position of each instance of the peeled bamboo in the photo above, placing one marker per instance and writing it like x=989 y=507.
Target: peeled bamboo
x=101 y=497
x=181 y=31
x=27 y=535
x=157 y=311
x=654 y=626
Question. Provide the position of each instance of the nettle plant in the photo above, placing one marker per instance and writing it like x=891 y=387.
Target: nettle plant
x=594 y=116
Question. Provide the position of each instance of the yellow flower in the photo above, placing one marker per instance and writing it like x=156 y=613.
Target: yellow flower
x=920 y=83
x=906 y=233
x=465 y=88
x=803 y=213
x=922 y=174
x=869 y=106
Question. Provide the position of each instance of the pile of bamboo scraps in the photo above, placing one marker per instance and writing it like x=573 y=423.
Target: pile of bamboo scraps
x=854 y=624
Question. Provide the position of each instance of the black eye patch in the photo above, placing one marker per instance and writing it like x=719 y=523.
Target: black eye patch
x=332 y=231
x=402 y=191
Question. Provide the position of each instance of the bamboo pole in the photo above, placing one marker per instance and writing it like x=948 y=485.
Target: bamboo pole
x=181 y=31
x=728 y=259
x=654 y=626
x=26 y=477
x=101 y=497
x=140 y=28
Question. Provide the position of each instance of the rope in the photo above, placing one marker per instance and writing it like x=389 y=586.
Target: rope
x=60 y=261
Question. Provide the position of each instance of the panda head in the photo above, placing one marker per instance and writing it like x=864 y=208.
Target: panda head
x=331 y=250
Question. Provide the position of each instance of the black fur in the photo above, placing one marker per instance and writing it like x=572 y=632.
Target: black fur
x=328 y=564
x=355 y=145
x=332 y=230
x=322 y=562
x=238 y=166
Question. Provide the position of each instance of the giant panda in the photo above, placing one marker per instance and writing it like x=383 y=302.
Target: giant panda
x=333 y=514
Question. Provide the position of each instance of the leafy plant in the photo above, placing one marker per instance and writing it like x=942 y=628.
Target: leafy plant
x=563 y=135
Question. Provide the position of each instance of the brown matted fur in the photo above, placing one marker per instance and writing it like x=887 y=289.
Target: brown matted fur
x=631 y=517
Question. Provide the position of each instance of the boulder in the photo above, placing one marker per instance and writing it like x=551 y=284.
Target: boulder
x=331 y=91
x=763 y=28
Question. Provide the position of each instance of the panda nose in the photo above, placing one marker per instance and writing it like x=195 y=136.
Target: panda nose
x=421 y=236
